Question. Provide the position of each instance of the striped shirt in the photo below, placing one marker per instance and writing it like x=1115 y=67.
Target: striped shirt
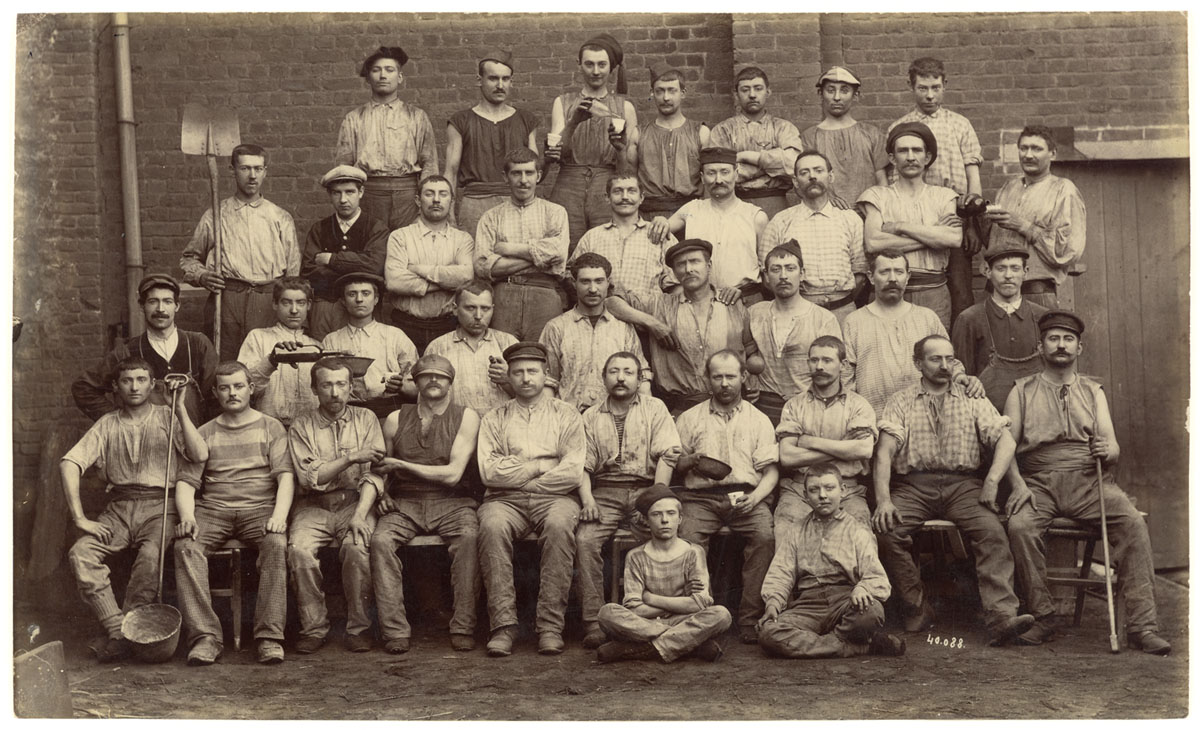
x=684 y=576
x=637 y=264
x=845 y=416
x=541 y=225
x=733 y=235
x=777 y=140
x=1058 y=225
x=649 y=436
x=243 y=463
x=933 y=206
x=315 y=440
x=578 y=348
x=472 y=386
x=424 y=266
x=280 y=391
x=129 y=452
x=388 y=346
x=258 y=243
x=513 y=438
x=742 y=438
x=958 y=146
x=388 y=140
x=831 y=241
x=783 y=342
x=940 y=433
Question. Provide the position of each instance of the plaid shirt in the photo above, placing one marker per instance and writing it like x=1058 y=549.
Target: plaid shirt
x=958 y=146
x=315 y=440
x=744 y=439
x=933 y=206
x=733 y=235
x=832 y=243
x=944 y=437
x=650 y=435
x=513 y=437
x=845 y=416
x=280 y=391
x=388 y=140
x=388 y=346
x=258 y=243
x=1058 y=225
x=777 y=140
x=472 y=386
x=424 y=267
x=685 y=576
x=541 y=225
x=783 y=343
x=578 y=349
x=637 y=264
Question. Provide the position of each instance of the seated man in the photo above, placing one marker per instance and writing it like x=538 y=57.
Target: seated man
x=1062 y=426
x=282 y=392
x=430 y=445
x=130 y=447
x=825 y=589
x=531 y=452
x=631 y=444
x=932 y=437
x=333 y=449
x=668 y=610
x=245 y=494
x=731 y=430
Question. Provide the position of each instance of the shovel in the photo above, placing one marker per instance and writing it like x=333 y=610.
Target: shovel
x=212 y=132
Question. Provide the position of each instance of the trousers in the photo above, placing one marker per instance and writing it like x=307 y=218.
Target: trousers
x=423 y=331
x=522 y=310
x=314 y=527
x=580 y=189
x=470 y=209
x=392 y=200
x=241 y=311
x=325 y=317
x=821 y=622
x=616 y=505
x=674 y=636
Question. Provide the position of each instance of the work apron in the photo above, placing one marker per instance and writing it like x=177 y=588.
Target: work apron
x=1000 y=373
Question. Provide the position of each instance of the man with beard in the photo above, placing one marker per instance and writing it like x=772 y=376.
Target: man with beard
x=391 y=141
x=730 y=430
x=164 y=347
x=831 y=239
x=476 y=350
x=429 y=446
x=578 y=341
x=997 y=339
x=478 y=138
x=391 y=351
x=932 y=441
x=781 y=331
x=1062 y=426
x=344 y=242
x=915 y=217
x=631 y=444
x=521 y=246
x=282 y=392
x=855 y=148
x=426 y=262
x=625 y=241
x=668 y=150
x=258 y=247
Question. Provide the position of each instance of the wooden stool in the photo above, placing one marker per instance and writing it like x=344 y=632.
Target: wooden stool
x=1081 y=578
x=232 y=549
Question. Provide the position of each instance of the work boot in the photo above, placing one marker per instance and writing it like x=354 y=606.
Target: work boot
x=309 y=644
x=462 y=642
x=550 y=642
x=885 y=644
x=500 y=644
x=358 y=643
x=709 y=651
x=594 y=638
x=920 y=619
x=615 y=651
x=1039 y=634
x=113 y=649
x=397 y=646
x=204 y=652
x=748 y=634
x=1149 y=642
x=1009 y=629
x=269 y=651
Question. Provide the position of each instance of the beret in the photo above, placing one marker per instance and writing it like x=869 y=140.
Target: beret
x=915 y=129
x=690 y=244
x=648 y=498
x=393 y=52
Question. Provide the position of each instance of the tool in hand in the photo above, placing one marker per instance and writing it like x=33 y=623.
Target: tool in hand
x=1114 y=645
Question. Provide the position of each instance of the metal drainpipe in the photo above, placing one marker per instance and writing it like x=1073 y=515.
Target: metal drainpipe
x=130 y=207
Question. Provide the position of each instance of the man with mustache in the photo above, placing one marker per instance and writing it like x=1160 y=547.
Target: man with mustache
x=282 y=392
x=344 y=242
x=531 y=454
x=997 y=339
x=932 y=444
x=245 y=489
x=668 y=150
x=631 y=444
x=521 y=246
x=831 y=238
x=766 y=145
x=1062 y=424
x=426 y=262
x=916 y=217
x=333 y=449
x=1042 y=213
x=637 y=261
x=478 y=138
x=391 y=351
x=855 y=148
x=258 y=247
x=476 y=350
x=728 y=429
x=391 y=141
x=430 y=445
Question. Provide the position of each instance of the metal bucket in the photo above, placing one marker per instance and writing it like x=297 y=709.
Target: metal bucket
x=153 y=630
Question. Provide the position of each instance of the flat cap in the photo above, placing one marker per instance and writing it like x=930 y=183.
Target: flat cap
x=433 y=364
x=651 y=496
x=1062 y=319
x=394 y=52
x=526 y=351
x=839 y=75
x=499 y=55
x=690 y=244
x=1001 y=252
x=914 y=129
x=354 y=277
x=721 y=155
x=344 y=173
x=158 y=280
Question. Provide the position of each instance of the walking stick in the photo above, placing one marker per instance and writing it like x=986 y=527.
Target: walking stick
x=1113 y=644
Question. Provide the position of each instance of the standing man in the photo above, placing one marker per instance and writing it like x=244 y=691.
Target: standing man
x=625 y=240
x=855 y=148
x=932 y=441
x=390 y=349
x=1042 y=213
x=345 y=242
x=766 y=146
x=429 y=447
x=593 y=134
x=166 y=348
x=667 y=154
x=531 y=454
x=731 y=430
x=521 y=246
x=426 y=262
x=997 y=339
x=282 y=392
x=130 y=446
x=1062 y=426
x=631 y=444
x=258 y=247
x=477 y=139
x=916 y=217
x=391 y=141
x=830 y=238
x=476 y=350
x=245 y=493
x=333 y=449
x=732 y=225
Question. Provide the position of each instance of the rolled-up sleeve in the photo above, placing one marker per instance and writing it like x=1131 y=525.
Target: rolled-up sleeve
x=550 y=251
x=872 y=576
x=485 y=243
x=989 y=424
x=892 y=421
x=780 y=579
x=305 y=457
x=664 y=439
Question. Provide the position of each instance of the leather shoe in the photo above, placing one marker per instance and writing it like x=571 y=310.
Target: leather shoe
x=1149 y=642
x=550 y=642
x=397 y=646
x=748 y=634
x=594 y=638
x=1009 y=629
x=309 y=644
x=358 y=643
x=1039 y=634
x=919 y=620
x=462 y=642
x=114 y=649
x=269 y=651
x=204 y=652
x=709 y=651
x=884 y=644
x=615 y=651
x=500 y=644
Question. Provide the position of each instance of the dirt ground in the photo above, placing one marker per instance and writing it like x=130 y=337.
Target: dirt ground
x=1072 y=677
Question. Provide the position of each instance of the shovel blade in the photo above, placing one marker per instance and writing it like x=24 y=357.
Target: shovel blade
x=209 y=130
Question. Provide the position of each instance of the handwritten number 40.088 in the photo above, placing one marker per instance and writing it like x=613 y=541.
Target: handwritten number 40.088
x=952 y=643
